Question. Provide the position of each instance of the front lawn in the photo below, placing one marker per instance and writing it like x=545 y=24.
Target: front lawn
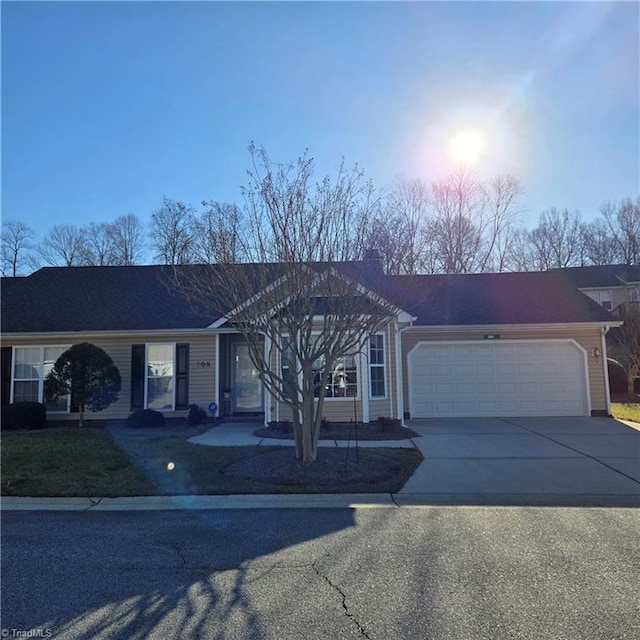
x=626 y=411
x=68 y=463
x=73 y=462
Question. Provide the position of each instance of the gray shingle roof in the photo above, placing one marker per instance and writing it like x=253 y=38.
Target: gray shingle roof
x=494 y=298
x=61 y=299
x=609 y=275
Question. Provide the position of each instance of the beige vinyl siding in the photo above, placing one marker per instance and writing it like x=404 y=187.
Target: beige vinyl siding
x=202 y=373
x=588 y=338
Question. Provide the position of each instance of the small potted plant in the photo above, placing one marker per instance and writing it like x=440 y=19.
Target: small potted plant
x=227 y=392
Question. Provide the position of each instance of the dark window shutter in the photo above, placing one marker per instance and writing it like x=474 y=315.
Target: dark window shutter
x=5 y=374
x=182 y=376
x=137 y=376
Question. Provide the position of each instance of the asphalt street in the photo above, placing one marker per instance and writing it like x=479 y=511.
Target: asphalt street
x=476 y=573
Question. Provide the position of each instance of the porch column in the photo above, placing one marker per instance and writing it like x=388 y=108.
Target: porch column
x=363 y=366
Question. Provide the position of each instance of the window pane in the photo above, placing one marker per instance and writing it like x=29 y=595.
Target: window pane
x=51 y=354
x=160 y=376
x=377 y=382
x=343 y=382
x=27 y=364
x=25 y=391
x=59 y=404
x=376 y=349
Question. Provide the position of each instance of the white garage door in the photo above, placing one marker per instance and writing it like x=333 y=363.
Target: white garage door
x=501 y=378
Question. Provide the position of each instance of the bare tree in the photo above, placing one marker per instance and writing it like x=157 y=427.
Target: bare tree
x=600 y=246
x=503 y=216
x=299 y=305
x=625 y=342
x=99 y=247
x=397 y=230
x=217 y=233
x=127 y=233
x=455 y=228
x=65 y=245
x=17 y=241
x=558 y=240
x=622 y=221
x=172 y=232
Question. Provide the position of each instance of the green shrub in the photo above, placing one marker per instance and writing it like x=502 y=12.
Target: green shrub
x=24 y=415
x=145 y=418
x=197 y=415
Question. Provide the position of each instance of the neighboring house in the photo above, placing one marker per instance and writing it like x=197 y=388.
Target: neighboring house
x=509 y=344
x=609 y=285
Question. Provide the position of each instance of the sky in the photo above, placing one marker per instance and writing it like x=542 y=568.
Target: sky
x=107 y=107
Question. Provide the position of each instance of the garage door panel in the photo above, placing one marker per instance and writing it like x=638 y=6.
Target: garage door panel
x=497 y=379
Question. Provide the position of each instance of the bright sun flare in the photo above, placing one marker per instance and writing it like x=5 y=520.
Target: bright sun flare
x=467 y=146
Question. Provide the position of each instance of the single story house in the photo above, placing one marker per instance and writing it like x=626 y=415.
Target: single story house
x=504 y=344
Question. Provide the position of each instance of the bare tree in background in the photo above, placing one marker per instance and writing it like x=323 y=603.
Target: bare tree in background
x=17 y=242
x=600 y=245
x=99 y=249
x=622 y=221
x=624 y=342
x=397 y=230
x=455 y=227
x=503 y=215
x=64 y=246
x=558 y=240
x=298 y=305
x=217 y=233
x=172 y=232
x=127 y=233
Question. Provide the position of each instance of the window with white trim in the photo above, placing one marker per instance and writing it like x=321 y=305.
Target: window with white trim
x=31 y=365
x=160 y=376
x=377 y=376
x=342 y=381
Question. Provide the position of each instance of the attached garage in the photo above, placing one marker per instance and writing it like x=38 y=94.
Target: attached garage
x=498 y=378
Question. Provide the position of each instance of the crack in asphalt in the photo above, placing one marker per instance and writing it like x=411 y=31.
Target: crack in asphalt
x=343 y=595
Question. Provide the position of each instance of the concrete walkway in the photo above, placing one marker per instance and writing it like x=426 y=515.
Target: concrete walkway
x=235 y=434
x=492 y=461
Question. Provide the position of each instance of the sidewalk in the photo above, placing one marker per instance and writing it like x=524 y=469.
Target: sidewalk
x=239 y=434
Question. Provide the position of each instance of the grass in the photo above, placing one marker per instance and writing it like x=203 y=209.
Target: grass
x=76 y=462
x=626 y=411
x=68 y=463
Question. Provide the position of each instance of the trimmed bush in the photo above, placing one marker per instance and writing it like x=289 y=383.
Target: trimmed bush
x=24 y=415
x=145 y=418
x=197 y=415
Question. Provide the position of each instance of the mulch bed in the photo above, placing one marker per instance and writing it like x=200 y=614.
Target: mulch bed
x=331 y=467
x=365 y=433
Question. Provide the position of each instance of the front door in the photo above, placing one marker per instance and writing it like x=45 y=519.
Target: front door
x=247 y=394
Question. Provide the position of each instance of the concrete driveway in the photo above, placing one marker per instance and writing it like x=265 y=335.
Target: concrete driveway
x=579 y=461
